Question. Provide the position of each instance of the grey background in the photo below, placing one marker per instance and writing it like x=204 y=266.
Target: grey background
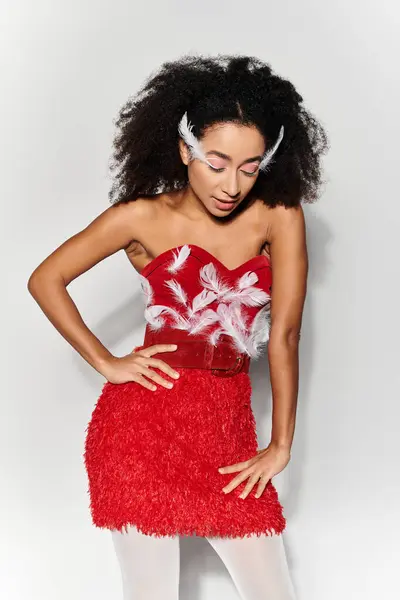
x=66 y=68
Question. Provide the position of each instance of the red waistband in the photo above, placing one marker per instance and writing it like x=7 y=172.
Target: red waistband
x=194 y=353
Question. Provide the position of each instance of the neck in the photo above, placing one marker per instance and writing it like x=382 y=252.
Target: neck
x=189 y=204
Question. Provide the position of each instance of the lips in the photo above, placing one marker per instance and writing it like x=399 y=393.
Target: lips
x=225 y=204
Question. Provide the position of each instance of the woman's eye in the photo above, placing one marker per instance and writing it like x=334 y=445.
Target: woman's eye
x=216 y=164
x=253 y=168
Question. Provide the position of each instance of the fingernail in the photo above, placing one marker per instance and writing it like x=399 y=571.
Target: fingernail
x=176 y=375
x=221 y=470
x=153 y=388
x=170 y=385
x=174 y=346
x=241 y=496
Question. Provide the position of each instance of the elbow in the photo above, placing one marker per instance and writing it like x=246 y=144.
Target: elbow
x=293 y=337
x=39 y=281
x=33 y=283
x=288 y=336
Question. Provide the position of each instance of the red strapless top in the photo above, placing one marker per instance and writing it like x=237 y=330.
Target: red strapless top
x=188 y=289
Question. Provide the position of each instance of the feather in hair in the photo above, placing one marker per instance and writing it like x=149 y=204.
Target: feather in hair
x=268 y=156
x=185 y=131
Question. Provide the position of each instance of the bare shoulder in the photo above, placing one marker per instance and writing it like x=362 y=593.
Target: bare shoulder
x=284 y=216
x=116 y=228
x=278 y=227
x=136 y=218
x=279 y=218
x=287 y=232
x=149 y=216
x=135 y=213
x=147 y=209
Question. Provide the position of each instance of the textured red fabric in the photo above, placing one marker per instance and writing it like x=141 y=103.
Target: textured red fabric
x=152 y=458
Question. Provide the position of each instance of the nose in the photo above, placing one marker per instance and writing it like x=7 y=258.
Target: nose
x=230 y=186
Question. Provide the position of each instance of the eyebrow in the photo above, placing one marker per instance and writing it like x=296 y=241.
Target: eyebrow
x=227 y=157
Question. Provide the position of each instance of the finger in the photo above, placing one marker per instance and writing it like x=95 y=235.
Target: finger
x=249 y=486
x=235 y=481
x=262 y=485
x=146 y=384
x=136 y=350
x=238 y=466
x=150 y=350
x=156 y=377
x=162 y=366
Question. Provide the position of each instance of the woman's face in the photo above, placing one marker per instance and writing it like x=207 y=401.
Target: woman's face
x=234 y=153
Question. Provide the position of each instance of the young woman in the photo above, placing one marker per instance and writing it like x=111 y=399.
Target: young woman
x=213 y=158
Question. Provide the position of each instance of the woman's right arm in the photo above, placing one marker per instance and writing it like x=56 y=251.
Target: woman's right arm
x=112 y=230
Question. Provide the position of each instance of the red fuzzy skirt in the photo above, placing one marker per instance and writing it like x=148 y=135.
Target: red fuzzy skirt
x=152 y=459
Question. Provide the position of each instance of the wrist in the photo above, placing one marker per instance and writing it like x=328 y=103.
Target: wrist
x=102 y=362
x=281 y=445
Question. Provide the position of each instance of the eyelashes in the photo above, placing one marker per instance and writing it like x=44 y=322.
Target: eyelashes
x=247 y=173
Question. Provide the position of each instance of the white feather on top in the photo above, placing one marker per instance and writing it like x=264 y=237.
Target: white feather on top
x=147 y=289
x=228 y=312
x=267 y=159
x=229 y=326
x=202 y=320
x=250 y=296
x=201 y=300
x=210 y=280
x=246 y=280
x=177 y=291
x=194 y=145
x=152 y=316
x=214 y=336
x=259 y=331
x=179 y=258
x=238 y=315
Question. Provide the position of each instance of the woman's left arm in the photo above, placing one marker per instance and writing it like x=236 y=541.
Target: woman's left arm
x=289 y=285
x=289 y=261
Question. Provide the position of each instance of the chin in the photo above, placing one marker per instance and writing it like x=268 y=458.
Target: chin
x=223 y=213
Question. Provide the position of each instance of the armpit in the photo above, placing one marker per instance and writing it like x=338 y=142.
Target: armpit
x=137 y=255
x=265 y=250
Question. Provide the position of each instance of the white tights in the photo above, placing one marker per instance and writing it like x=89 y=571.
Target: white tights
x=150 y=566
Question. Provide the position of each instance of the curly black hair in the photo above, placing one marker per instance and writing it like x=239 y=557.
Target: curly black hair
x=222 y=88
